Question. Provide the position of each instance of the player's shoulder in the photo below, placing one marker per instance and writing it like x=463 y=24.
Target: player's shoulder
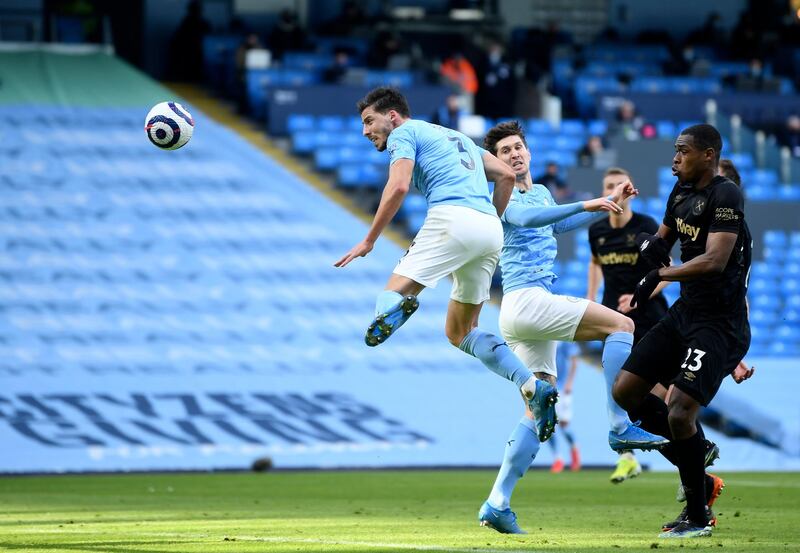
x=541 y=193
x=599 y=227
x=725 y=186
x=642 y=220
x=726 y=192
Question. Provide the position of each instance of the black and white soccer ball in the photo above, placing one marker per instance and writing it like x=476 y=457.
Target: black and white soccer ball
x=169 y=126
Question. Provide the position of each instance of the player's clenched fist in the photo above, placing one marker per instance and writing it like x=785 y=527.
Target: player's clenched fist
x=653 y=249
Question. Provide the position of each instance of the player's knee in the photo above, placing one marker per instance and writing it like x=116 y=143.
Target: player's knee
x=624 y=324
x=680 y=420
x=455 y=335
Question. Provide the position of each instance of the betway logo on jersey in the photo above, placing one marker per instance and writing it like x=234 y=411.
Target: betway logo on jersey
x=615 y=258
x=685 y=228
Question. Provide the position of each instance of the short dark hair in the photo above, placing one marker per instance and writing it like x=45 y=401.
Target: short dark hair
x=616 y=171
x=728 y=170
x=501 y=131
x=383 y=99
x=704 y=137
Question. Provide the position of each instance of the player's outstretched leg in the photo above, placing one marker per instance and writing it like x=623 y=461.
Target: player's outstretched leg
x=495 y=354
x=392 y=310
x=521 y=449
x=623 y=436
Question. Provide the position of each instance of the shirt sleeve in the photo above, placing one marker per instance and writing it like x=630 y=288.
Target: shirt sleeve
x=401 y=145
x=534 y=216
x=727 y=208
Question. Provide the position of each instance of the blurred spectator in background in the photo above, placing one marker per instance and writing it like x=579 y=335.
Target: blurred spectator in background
x=711 y=32
x=337 y=72
x=790 y=135
x=287 y=35
x=457 y=71
x=628 y=123
x=496 y=91
x=251 y=42
x=186 y=46
x=384 y=48
x=449 y=114
x=591 y=152
x=551 y=179
x=353 y=15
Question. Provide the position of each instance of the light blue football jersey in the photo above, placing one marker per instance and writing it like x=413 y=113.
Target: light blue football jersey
x=448 y=166
x=528 y=253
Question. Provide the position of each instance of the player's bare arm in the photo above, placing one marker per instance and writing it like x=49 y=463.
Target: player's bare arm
x=504 y=179
x=595 y=278
x=718 y=250
x=392 y=198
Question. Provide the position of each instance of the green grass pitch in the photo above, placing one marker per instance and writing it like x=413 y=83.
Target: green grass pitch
x=379 y=512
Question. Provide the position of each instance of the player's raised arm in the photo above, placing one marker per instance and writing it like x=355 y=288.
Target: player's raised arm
x=392 y=198
x=595 y=277
x=503 y=178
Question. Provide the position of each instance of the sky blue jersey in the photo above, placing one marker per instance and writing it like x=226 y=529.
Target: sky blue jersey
x=529 y=247
x=448 y=166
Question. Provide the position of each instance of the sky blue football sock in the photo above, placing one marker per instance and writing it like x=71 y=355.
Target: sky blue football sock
x=386 y=300
x=616 y=350
x=521 y=449
x=496 y=355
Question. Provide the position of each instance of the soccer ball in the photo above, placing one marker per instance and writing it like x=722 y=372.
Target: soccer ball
x=169 y=126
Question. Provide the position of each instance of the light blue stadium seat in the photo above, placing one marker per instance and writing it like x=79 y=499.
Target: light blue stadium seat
x=327 y=158
x=299 y=122
x=361 y=175
x=743 y=161
x=773 y=254
x=760 y=193
x=764 y=177
x=762 y=318
x=304 y=142
x=415 y=222
x=572 y=127
x=791 y=269
x=789 y=193
x=766 y=302
x=414 y=204
x=331 y=123
x=666 y=129
x=539 y=126
x=598 y=127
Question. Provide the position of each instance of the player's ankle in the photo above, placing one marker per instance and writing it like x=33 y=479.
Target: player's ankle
x=528 y=389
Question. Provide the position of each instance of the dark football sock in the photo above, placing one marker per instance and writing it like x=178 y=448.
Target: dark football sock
x=653 y=415
x=691 y=453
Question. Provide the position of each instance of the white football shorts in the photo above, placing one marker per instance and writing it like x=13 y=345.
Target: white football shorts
x=458 y=241
x=533 y=320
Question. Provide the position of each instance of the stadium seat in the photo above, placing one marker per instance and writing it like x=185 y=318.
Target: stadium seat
x=298 y=122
